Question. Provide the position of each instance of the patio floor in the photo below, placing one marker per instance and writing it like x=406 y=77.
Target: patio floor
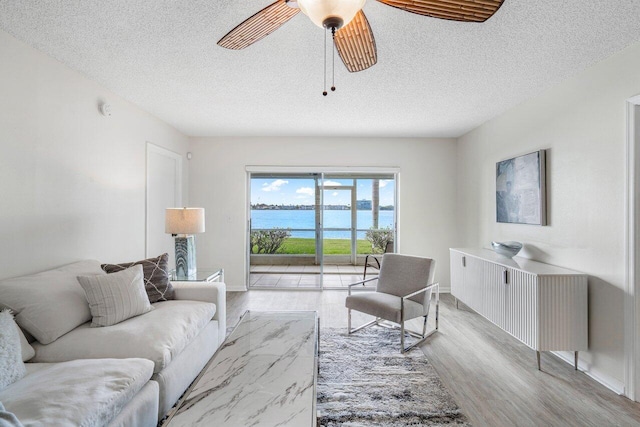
x=307 y=276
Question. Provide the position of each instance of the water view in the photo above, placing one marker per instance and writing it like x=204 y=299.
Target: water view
x=305 y=220
x=288 y=202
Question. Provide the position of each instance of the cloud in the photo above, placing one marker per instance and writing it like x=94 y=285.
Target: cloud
x=331 y=183
x=306 y=191
x=275 y=185
x=335 y=193
x=384 y=182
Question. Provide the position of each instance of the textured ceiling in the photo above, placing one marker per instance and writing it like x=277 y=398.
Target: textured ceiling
x=433 y=77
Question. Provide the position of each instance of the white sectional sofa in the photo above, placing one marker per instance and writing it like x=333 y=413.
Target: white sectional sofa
x=128 y=374
x=113 y=392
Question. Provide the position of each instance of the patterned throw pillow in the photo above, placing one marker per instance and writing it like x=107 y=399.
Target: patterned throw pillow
x=11 y=365
x=156 y=276
x=116 y=297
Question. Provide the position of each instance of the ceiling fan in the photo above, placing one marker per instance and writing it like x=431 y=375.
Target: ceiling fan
x=352 y=34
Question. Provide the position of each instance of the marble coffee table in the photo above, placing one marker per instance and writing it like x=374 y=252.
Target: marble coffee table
x=264 y=374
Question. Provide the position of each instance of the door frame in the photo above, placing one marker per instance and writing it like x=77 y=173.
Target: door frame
x=632 y=252
x=152 y=148
x=353 y=213
x=323 y=170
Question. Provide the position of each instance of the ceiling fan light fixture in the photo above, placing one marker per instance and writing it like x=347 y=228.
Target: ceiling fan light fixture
x=331 y=13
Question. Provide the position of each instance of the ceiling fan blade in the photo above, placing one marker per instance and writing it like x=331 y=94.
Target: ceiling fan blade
x=454 y=10
x=259 y=25
x=356 y=45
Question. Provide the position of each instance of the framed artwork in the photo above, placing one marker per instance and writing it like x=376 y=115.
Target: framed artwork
x=520 y=190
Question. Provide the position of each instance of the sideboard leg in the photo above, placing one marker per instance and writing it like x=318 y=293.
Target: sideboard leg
x=456 y=302
x=575 y=363
x=538 y=358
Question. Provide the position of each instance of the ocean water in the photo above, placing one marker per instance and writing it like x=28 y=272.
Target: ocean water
x=297 y=219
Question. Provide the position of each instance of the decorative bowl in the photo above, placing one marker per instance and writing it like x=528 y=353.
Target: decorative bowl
x=507 y=249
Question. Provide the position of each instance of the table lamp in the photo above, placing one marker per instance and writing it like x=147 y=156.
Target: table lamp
x=183 y=223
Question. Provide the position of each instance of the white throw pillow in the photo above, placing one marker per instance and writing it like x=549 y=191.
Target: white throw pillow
x=51 y=303
x=116 y=297
x=11 y=364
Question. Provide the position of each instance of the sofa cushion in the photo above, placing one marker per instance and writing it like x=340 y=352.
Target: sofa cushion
x=159 y=335
x=115 y=297
x=383 y=305
x=175 y=379
x=76 y=393
x=51 y=303
x=156 y=276
x=11 y=364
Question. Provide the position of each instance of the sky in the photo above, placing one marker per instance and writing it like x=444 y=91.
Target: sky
x=300 y=191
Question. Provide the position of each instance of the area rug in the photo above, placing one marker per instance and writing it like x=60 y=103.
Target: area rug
x=365 y=381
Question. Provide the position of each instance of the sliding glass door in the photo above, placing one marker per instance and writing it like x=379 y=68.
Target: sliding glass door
x=283 y=232
x=315 y=230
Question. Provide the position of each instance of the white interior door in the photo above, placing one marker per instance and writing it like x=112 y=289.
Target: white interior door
x=164 y=190
x=632 y=292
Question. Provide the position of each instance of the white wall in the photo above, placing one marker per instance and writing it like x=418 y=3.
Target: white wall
x=218 y=182
x=72 y=182
x=582 y=125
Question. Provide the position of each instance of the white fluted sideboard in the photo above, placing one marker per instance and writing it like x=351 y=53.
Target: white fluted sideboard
x=543 y=306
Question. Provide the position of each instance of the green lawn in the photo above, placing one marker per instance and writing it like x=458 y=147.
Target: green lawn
x=296 y=245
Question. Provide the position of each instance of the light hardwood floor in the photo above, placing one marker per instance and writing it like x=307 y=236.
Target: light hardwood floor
x=491 y=375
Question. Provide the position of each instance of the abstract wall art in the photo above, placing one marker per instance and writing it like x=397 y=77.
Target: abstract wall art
x=520 y=189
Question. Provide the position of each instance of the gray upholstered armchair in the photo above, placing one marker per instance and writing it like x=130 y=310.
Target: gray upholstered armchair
x=404 y=291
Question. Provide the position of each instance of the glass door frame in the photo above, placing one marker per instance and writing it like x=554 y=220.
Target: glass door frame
x=353 y=213
x=321 y=172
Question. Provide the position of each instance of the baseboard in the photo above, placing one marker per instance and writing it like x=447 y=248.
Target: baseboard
x=612 y=384
x=243 y=289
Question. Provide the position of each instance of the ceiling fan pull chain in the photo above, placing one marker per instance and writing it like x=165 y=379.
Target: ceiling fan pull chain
x=333 y=59
x=324 y=93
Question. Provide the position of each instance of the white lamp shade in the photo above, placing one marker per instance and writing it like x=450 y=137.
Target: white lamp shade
x=319 y=10
x=184 y=221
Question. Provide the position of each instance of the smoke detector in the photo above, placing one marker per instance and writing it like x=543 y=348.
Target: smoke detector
x=105 y=109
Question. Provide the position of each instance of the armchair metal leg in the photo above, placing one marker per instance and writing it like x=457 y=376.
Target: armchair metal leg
x=437 y=307
x=417 y=343
x=403 y=330
x=393 y=325
x=373 y=322
x=424 y=327
x=350 y=331
x=425 y=335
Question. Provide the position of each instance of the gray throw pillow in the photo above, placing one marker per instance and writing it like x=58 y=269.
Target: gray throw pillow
x=115 y=297
x=156 y=276
x=11 y=364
